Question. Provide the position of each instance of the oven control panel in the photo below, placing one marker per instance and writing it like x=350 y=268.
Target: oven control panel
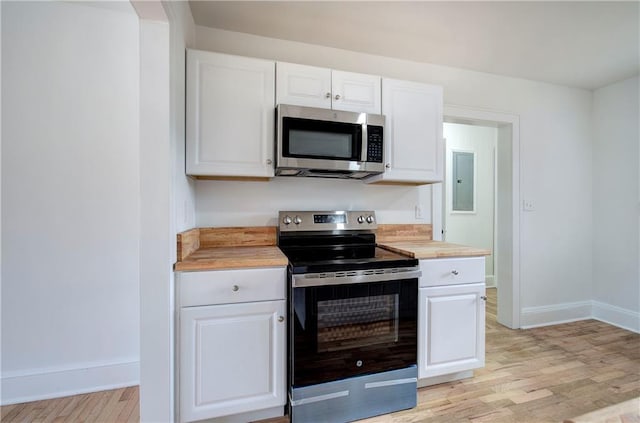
x=326 y=220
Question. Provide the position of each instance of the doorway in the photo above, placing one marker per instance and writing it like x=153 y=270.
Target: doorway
x=469 y=189
x=506 y=242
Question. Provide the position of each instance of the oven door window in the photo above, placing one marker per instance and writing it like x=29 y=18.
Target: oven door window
x=349 y=330
x=358 y=322
x=304 y=138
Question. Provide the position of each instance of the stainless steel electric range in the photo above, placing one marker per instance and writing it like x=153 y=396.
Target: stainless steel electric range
x=352 y=318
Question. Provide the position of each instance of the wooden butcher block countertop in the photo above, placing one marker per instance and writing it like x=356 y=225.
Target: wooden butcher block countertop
x=416 y=240
x=228 y=248
x=428 y=249
x=249 y=247
x=217 y=258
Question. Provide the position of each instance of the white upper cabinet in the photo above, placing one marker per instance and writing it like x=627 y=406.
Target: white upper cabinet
x=312 y=86
x=355 y=92
x=301 y=85
x=230 y=115
x=414 y=147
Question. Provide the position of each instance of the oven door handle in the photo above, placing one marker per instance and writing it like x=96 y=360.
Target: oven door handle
x=357 y=276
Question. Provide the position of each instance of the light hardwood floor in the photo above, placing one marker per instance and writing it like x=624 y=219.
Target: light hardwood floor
x=538 y=375
x=118 y=405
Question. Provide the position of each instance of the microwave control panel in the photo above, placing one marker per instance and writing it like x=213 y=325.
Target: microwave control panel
x=374 y=143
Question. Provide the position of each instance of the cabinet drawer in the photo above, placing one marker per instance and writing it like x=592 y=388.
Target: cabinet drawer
x=453 y=271
x=231 y=286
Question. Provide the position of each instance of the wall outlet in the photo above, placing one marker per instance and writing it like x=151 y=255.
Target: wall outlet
x=528 y=205
x=419 y=212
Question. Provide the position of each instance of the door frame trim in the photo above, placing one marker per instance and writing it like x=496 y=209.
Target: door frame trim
x=509 y=311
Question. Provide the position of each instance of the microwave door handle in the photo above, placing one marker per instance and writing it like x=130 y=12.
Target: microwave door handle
x=365 y=143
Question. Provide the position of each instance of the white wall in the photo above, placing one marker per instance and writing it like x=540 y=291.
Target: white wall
x=476 y=228
x=70 y=207
x=508 y=235
x=227 y=203
x=157 y=241
x=1 y=396
x=167 y=196
x=555 y=161
x=616 y=203
x=183 y=35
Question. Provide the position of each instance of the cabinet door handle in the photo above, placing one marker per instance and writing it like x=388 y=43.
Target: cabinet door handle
x=337 y=96
x=388 y=165
x=235 y=288
x=454 y=272
x=269 y=161
x=281 y=319
x=327 y=95
x=483 y=298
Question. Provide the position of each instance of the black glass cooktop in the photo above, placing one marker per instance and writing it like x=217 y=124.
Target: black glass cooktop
x=313 y=253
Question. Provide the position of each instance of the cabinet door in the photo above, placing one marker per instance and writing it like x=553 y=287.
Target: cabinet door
x=451 y=329
x=302 y=85
x=232 y=359
x=355 y=92
x=230 y=115
x=414 y=147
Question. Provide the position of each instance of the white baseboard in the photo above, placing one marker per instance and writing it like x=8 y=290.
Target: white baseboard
x=18 y=387
x=490 y=281
x=616 y=316
x=532 y=317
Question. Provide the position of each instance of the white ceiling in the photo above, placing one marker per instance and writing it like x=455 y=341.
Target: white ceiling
x=574 y=43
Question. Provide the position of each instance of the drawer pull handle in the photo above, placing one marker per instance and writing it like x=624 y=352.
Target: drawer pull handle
x=235 y=288
x=484 y=298
x=281 y=319
x=454 y=272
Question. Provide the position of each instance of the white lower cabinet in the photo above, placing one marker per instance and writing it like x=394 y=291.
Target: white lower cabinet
x=231 y=357
x=451 y=317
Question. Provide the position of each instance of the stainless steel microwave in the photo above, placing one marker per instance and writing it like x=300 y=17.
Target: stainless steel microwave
x=328 y=143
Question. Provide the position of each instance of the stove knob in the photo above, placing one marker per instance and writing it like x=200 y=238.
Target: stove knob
x=370 y=219
x=297 y=220
x=360 y=219
x=286 y=220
